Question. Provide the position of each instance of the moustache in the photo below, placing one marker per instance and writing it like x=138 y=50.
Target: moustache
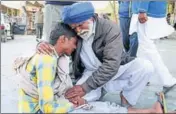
x=83 y=32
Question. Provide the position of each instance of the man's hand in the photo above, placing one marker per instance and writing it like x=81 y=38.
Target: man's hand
x=75 y=91
x=142 y=17
x=77 y=101
x=44 y=48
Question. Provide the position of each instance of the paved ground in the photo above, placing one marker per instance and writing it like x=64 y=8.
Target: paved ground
x=25 y=44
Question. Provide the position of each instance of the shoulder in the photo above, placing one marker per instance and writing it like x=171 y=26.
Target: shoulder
x=107 y=26
x=44 y=59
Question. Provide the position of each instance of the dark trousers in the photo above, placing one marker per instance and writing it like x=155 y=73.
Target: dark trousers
x=39 y=30
x=130 y=42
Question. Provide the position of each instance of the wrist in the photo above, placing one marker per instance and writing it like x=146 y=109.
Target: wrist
x=85 y=87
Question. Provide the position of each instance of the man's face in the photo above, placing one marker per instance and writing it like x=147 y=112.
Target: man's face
x=83 y=29
x=69 y=45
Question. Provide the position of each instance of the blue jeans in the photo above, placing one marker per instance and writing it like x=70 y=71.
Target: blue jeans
x=130 y=42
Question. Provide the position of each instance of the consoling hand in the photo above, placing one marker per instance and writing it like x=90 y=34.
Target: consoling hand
x=142 y=17
x=44 y=48
x=75 y=91
x=77 y=101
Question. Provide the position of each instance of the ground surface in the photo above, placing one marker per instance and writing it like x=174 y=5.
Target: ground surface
x=24 y=44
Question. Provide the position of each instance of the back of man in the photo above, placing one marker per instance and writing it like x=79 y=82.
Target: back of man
x=52 y=15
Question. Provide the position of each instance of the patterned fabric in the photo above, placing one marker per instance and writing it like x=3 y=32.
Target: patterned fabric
x=42 y=69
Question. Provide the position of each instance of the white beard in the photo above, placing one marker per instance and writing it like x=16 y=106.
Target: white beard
x=85 y=34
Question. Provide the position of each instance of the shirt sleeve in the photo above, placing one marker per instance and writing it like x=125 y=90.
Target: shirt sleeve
x=143 y=6
x=45 y=71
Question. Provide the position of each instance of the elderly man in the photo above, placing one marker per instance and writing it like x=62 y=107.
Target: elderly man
x=149 y=21
x=99 y=60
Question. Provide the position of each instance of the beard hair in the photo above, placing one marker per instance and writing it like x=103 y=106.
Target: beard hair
x=85 y=34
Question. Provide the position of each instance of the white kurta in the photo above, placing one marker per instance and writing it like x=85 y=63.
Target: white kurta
x=154 y=28
x=131 y=78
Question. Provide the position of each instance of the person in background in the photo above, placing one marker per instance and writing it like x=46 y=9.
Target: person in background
x=149 y=21
x=52 y=15
x=39 y=23
x=130 y=42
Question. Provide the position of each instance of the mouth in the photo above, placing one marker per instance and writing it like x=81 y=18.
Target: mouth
x=82 y=33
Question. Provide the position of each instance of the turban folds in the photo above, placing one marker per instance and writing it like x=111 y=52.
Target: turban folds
x=77 y=13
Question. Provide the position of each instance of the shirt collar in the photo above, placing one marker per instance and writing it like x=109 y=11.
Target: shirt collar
x=55 y=53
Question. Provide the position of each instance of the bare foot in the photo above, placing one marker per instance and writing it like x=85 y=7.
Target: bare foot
x=157 y=108
x=124 y=101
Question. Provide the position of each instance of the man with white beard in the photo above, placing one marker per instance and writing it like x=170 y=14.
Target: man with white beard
x=99 y=60
x=149 y=21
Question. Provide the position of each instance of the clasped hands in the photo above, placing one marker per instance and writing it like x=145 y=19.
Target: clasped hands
x=75 y=95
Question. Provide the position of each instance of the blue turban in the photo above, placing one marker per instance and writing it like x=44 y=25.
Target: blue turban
x=77 y=13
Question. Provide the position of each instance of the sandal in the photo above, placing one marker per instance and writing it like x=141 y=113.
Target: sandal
x=162 y=101
x=167 y=89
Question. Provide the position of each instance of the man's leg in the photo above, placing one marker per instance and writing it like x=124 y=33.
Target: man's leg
x=132 y=81
x=133 y=44
x=148 y=51
x=52 y=15
x=124 y=25
x=41 y=34
x=37 y=30
x=41 y=30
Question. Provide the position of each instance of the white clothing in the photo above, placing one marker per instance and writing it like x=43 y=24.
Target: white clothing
x=91 y=63
x=154 y=28
x=131 y=78
x=102 y=107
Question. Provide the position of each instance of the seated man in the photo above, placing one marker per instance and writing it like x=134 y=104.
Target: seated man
x=44 y=78
x=47 y=105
